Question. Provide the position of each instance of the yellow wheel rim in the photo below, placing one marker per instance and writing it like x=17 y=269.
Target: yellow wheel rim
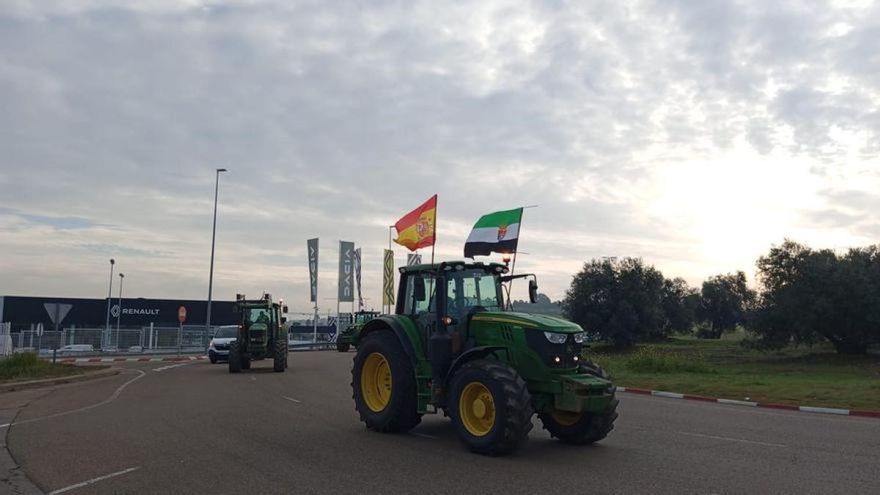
x=376 y=382
x=476 y=408
x=565 y=418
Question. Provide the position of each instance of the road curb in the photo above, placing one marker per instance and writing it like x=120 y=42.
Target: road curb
x=46 y=382
x=768 y=405
x=130 y=359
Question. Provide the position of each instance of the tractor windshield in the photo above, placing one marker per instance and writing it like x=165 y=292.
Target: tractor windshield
x=473 y=290
x=259 y=316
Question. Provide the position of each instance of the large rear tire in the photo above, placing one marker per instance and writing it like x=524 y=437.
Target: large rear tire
x=234 y=358
x=383 y=384
x=490 y=407
x=280 y=356
x=582 y=428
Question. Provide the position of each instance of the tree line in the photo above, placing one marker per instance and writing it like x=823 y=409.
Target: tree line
x=804 y=296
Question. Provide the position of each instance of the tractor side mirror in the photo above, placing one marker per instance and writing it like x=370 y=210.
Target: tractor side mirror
x=419 y=288
x=283 y=319
x=284 y=309
x=533 y=291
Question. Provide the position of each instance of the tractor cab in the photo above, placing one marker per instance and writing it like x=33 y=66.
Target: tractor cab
x=445 y=298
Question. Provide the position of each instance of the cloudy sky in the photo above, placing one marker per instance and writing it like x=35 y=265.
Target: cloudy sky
x=693 y=134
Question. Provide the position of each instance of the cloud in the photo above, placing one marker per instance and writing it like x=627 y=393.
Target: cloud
x=334 y=119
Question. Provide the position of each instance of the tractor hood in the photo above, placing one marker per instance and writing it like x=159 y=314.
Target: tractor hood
x=529 y=320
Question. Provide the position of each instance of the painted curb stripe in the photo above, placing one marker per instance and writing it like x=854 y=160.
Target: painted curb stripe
x=733 y=402
x=865 y=414
x=824 y=410
x=671 y=395
x=784 y=407
x=700 y=398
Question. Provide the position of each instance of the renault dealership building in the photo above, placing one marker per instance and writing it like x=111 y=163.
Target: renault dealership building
x=58 y=313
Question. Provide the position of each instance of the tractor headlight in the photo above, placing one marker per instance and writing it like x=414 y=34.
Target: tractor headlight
x=556 y=338
x=580 y=337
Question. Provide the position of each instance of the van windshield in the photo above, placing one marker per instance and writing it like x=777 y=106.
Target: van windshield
x=226 y=333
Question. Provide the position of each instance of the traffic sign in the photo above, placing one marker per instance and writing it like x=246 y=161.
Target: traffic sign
x=181 y=314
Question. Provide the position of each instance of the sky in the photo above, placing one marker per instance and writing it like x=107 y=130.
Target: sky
x=692 y=134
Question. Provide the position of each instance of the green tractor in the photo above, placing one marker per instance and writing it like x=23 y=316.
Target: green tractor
x=260 y=334
x=451 y=345
x=347 y=337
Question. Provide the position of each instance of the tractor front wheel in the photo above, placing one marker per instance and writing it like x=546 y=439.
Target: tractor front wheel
x=490 y=407
x=280 y=357
x=234 y=358
x=580 y=428
x=383 y=384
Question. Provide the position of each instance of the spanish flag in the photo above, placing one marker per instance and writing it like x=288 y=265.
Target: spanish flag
x=417 y=228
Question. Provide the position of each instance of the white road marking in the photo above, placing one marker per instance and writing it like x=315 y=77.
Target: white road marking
x=740 y=440
x=163 y=368
x=291 y=399
x=5 y=425
x=108 y=400
x=423 y=435
x=94 y=480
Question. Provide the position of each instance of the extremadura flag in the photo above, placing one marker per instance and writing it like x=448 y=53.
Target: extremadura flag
x=496 y=232
x=417 y=228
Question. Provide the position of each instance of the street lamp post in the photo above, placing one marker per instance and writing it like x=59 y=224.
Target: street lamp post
x=213 y=240
x=109 y=299
x=119 y=315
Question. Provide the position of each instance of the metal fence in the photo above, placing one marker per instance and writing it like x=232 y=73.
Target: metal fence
x=154 y=339
x=131 y=340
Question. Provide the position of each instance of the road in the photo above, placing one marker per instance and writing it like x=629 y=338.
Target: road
x=194 y=428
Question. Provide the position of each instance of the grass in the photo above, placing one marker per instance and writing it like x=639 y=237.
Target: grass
x=28 y=366
x=723 y=368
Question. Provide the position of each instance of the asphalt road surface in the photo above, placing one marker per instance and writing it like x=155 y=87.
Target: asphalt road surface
x=194 y=428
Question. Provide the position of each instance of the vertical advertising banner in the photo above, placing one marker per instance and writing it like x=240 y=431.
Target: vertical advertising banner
x=413 y=259
x=388 y=278
x=346 y=271
x=357 y=277
x=313 y=269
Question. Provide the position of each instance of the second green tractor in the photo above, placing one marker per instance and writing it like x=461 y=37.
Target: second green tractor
x=451 y=345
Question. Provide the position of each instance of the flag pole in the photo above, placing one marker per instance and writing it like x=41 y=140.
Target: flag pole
x=513 y=263
x=435 y=230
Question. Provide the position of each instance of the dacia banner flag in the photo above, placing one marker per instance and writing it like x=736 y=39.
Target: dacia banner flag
x=313 y=269
x=346 y=271
x=413 y=259
x=357 y=277
x=388 y=278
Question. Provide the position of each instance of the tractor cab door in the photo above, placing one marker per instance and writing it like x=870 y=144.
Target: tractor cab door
x=469 y=292
x=420 y=303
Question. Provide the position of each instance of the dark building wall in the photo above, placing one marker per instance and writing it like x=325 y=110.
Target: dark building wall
x=23 y=311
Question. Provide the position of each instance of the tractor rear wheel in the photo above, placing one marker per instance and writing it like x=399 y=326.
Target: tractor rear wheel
x=383 y=384
x=490 y=407
x=582 y=428
x=234 y=358
x=280 y=356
